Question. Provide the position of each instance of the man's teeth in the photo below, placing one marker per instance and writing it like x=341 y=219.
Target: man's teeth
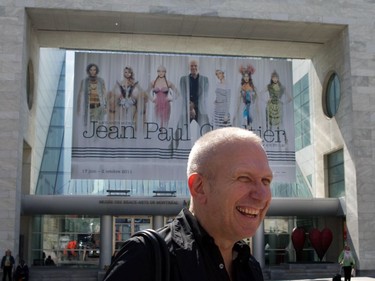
x=248 y=211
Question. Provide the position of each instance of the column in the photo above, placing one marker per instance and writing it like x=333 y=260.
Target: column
x=106 y=239
x=157 y=222
x=258 y=245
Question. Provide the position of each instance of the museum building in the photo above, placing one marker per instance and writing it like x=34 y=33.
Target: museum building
x=82 y=222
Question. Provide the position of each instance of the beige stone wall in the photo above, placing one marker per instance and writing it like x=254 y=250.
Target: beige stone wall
x=351 y=54
x=11 y=73
x=332 y=134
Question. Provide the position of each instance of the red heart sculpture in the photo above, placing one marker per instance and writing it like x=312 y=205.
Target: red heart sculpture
x=320 y=241
x=327 y=237
x=298 y=238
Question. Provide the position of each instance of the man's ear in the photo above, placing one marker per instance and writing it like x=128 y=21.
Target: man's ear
x=196 y=187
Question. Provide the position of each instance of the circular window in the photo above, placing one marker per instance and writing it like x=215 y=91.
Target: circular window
x=30 y=84
x=332 y=96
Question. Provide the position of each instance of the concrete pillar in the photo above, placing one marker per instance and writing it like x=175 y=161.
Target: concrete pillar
x=258 y=245
x=106 y=239
x=157 y=222
x=292 y=222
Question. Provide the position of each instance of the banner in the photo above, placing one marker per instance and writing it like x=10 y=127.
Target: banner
x=136 y=116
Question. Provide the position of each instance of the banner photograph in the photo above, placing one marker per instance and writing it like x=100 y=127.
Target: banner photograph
x=136 y=116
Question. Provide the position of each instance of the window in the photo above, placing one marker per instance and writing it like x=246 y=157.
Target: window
x=336 y=175
x=70 y=240
x=127 y=226
x=302 y=113
x=30 y=84
x=331 y=98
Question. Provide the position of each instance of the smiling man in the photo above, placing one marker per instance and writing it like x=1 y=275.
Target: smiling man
x=229 y=181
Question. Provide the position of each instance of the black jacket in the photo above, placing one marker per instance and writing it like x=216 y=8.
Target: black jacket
x=193 y=254
x=3 y=261
x=22 y=271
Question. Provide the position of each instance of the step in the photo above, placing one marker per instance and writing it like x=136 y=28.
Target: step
x=63 y=274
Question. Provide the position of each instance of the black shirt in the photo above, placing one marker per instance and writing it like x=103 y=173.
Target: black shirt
x=193 y=253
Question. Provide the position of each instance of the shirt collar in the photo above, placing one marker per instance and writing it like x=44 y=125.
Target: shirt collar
x=201 y=235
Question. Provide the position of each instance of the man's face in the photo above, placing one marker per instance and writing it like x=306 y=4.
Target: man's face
x=193 y=67
x=239 y=197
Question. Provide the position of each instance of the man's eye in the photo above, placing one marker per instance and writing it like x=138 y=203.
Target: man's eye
x=266 y=181
x=244 y=179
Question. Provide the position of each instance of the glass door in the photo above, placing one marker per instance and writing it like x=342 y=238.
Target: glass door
x=126 y=226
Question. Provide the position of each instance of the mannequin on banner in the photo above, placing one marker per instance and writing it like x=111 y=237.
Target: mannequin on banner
x=124 y=100
x=162 y=93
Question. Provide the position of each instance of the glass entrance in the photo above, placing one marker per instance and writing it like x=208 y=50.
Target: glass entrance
x=126 y=226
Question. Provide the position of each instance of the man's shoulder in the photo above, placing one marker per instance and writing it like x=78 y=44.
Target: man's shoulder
x=134 y=260
x=253 y=261
x=255 y=268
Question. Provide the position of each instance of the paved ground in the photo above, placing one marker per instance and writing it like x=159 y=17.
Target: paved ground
x=330 y=279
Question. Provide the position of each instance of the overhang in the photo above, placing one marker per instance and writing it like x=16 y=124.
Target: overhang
x=181 y=33
x=167 y=206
